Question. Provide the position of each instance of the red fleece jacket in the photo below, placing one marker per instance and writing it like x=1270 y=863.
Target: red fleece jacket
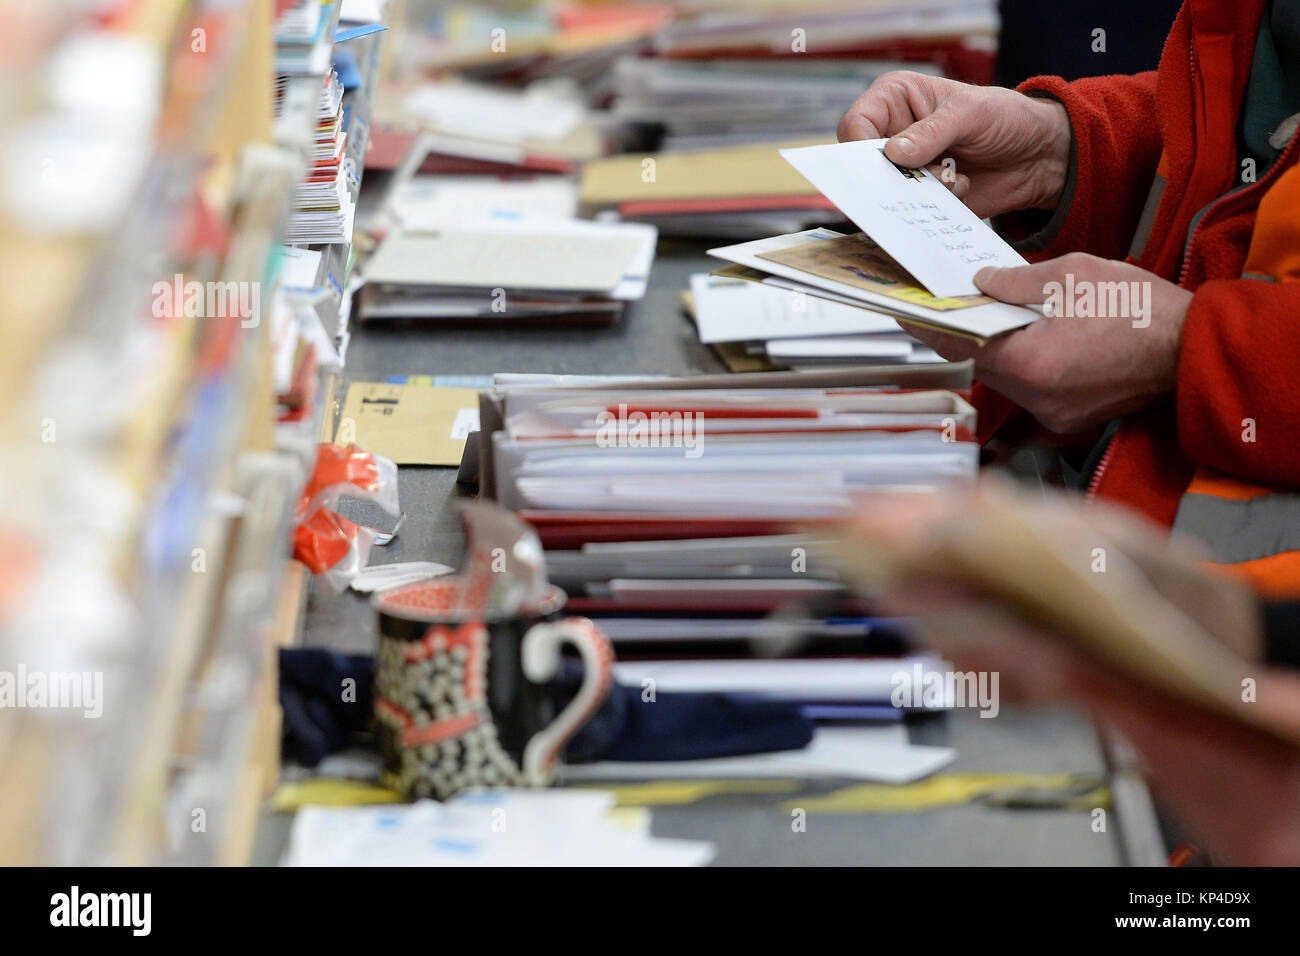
x=1240 y=353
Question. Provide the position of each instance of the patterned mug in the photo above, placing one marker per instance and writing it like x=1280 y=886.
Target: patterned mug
x=461 y=700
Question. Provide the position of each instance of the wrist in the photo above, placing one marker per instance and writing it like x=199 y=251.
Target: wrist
x=1053 y=162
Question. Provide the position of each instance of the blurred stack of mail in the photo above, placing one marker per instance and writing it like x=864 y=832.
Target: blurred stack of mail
x=324 y=206
x=956 y=35
x=538 y=269
x=304 y=37
x=775 y=448
x=520 y=42
x=456 y=127
x=690 y=517
x=735 y=192
x=434 y=202
x=707 y=104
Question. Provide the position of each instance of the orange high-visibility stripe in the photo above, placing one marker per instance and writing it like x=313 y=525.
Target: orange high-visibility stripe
x=1208 y=482
x=1275 y=578
x=1275 y=241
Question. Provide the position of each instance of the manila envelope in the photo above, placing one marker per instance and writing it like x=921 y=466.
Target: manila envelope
x=411 y=424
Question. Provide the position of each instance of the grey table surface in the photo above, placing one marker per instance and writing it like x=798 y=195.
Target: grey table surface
x=748 y=828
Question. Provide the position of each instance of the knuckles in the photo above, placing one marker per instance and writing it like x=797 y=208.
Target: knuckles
x=899 y=81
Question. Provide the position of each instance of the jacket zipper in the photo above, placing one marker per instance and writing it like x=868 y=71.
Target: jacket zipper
x=1198 y=220
x=1100 y=469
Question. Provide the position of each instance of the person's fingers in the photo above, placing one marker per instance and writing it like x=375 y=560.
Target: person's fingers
x=933 y=594
x=983 y=635
x=954 y=348
x=1028 y=285
x=874 y=112
x=930 y=137
x=1022 y=285
x=891 y=104
x=959 y=183
x=855 y=126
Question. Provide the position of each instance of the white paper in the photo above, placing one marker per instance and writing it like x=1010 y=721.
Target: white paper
x=299 y=266
x=982 y=321
x=843 y=346
x=466 y=421
x=494 y=114
x=529 y=255
x=429 y=202
x=830 y=679
x=361 y=11
x=488 y=828
x=737 y=310
x=913 y=215
x=881 y=754
x=380 y=577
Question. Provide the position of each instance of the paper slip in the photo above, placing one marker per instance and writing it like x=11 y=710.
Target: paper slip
x=805 y=680
x=910 y=212
x=411 y=424
x=381 y=577
x=843 y=346
x=543 y=828
x=881 y=754
x=299 y=266
x=430 y=202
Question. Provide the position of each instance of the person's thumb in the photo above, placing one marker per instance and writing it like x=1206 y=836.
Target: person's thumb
x=929 y=138
x=1020 y=285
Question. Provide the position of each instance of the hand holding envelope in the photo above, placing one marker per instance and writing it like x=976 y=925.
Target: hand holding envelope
x=1006 y=151
x=1095 y=607
x=910 y=212
x=916 y=257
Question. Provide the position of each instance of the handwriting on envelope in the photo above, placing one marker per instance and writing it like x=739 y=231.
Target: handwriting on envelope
x=909 y=212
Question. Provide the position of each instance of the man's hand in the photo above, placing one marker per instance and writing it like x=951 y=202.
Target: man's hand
x=1237 y=784
x=1111 y=349
x=1011 y=151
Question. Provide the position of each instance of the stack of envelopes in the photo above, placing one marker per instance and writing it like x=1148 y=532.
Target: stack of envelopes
x=690 y=522
x=324 y=207
x=915 y=260
x=500 y=270
x=733 y=192
x=711 y=104
x=748 y=324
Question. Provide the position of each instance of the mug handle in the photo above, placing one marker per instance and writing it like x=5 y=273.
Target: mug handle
x=540 y=657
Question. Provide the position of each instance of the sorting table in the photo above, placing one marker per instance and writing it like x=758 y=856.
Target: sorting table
x=750 y=826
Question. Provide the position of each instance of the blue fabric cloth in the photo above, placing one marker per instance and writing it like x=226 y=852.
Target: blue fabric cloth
x=677 y=726
x=318 y=720
x=321 y=711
